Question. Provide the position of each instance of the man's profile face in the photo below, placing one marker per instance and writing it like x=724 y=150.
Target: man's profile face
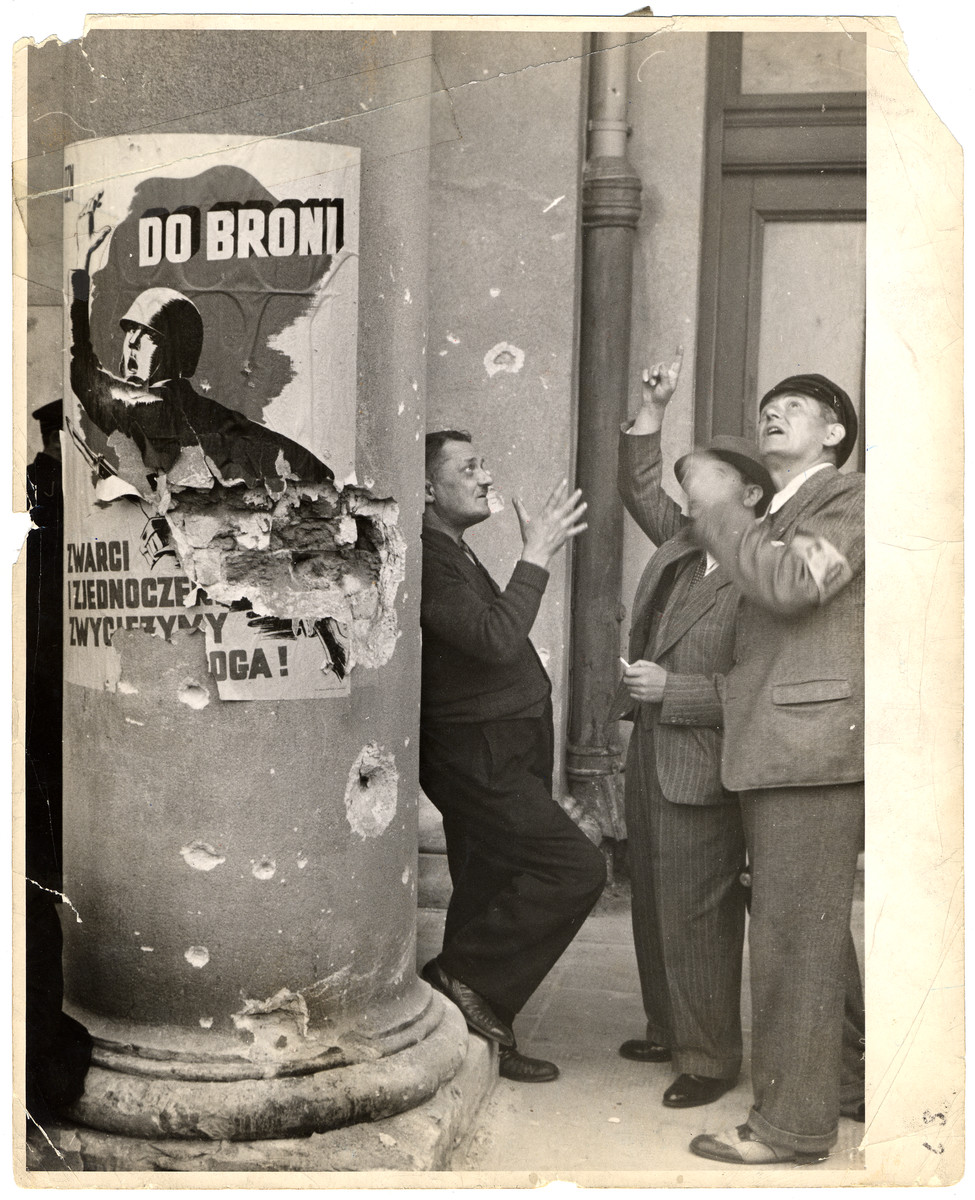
x=794 y=426
x=141 y=353
x=710 y=480
x=459 y=484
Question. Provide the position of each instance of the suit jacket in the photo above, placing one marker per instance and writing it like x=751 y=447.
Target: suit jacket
x=793 y=702
x=478 y=663
x=695 y=645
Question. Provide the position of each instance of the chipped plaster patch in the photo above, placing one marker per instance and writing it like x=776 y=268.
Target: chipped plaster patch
x=201 y=856
x=504 y=357
x=275 y=1023
x=196 y=956
x=264 y=869
x=193 y=695
x=371 y=794
x=305 y=553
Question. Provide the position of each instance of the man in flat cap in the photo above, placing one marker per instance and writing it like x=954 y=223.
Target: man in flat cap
x=685 y=843
x=793 y=750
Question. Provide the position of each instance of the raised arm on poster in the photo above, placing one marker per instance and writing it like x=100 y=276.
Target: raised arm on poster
x=152 y=401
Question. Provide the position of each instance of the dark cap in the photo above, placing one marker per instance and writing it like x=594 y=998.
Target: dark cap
x=821 y=388
x=49 y=416
x=744 y=457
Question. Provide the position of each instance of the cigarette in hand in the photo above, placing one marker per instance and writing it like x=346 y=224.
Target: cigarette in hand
x=624 y=662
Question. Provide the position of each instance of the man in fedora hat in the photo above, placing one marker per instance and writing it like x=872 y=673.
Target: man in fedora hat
x=686 y=847
x=793 y=750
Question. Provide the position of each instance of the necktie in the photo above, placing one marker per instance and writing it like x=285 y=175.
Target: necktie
x=700 y=567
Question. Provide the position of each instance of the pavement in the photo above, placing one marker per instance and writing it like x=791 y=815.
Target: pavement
x=604 y=1114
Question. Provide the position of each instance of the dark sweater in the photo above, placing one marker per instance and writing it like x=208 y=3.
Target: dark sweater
x=478 y=663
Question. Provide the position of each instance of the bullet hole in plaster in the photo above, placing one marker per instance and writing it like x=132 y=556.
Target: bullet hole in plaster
x=201 y=856
x=407 y=298
x=206 y=1022
x=494 y=500
x=147 y=949
x=126 y=688
x=454 y=341
x=132 y=721
x=504 y=357
x=272 y=771
x=193 y=696
x=197 y=956
x=274 y=1022
x=371 y=793
x=406 y=741
x=401 y=408
x=388 y=1141
x=494 y=293
x=544 y=655
x=264 y=869
x=442 y=353
x=406 y=875
x=302 y=863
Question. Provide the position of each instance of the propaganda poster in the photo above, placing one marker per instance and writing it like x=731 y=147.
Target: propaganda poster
x=212 y=335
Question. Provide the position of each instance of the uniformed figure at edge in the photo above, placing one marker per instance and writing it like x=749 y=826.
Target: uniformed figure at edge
x=58 y=1048
x=524 y=875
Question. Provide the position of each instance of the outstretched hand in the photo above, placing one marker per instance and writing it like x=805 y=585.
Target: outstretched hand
x=560 y=519
x=660 y=381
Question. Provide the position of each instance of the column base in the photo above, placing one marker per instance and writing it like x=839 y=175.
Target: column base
x=420 y=1139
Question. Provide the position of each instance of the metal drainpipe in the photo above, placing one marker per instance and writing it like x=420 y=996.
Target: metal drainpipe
x=610 y=212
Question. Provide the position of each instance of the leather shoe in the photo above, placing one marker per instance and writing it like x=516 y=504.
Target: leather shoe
x=741 y=1147
x=522 y=1069
x=640 y=1050
x=691 y=1091
x=476 y=1011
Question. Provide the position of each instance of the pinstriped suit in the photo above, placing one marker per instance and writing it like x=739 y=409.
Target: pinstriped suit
x=686 y=845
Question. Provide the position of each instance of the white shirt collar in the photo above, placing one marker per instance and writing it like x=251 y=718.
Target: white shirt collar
x=793 y=486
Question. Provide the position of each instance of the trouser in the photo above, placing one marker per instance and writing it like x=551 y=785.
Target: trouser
x=802 y=845
x=524 y=875
x=58 y=1048
x=688 y=908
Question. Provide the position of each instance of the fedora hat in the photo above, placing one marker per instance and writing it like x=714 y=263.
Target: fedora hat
x=743 y=456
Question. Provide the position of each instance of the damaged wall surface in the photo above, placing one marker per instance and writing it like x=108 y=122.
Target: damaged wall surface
x=504 y=250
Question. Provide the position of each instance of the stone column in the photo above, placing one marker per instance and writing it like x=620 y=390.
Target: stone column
x=241 y=876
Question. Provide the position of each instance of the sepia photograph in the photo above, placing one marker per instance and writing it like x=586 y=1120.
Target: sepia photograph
x=488 y=706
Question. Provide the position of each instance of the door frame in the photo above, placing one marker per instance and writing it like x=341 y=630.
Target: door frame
x=783 y=156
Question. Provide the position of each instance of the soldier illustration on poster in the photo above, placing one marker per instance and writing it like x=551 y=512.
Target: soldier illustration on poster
x=212 y=336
